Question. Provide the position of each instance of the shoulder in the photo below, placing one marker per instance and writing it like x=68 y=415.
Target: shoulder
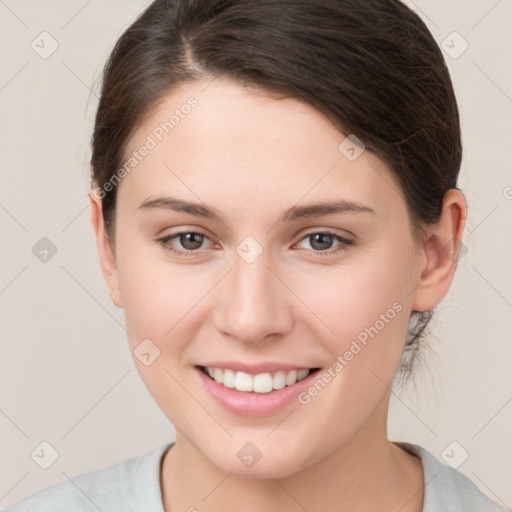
x=448 y=489
x=133 y=484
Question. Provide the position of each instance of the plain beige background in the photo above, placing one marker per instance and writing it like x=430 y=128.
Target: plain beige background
x=67 y=377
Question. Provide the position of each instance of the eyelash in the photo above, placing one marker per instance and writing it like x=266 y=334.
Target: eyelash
x=344 y=243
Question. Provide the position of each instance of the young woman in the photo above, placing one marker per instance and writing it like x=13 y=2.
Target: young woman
x=276 y=210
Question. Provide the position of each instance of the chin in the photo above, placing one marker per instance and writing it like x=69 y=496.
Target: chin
x=268 y=461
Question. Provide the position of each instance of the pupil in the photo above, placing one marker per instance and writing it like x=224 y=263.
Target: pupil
x=187 y=240
x=322 y=237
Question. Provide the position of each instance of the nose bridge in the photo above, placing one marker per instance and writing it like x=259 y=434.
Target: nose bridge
x=254 y=304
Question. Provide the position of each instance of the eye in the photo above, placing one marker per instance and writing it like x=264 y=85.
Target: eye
x=191 y=241
x=321 y=242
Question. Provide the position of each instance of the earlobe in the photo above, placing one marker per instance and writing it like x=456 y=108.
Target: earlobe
x=441 y=249
x=105 y=251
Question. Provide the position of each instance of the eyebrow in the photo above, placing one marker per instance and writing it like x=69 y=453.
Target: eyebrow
x=292 y=214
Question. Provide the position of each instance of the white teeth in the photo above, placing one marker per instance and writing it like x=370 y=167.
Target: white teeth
x=279 y=380
x=218 y=375
x=261 y=383
x=229 y=378
x=243 y=381
x=291 y=378
x=302 y=373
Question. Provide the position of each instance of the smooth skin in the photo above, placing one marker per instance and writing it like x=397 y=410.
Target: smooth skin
x=252 y=156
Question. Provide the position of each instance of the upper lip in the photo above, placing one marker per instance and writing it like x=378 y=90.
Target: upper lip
x=254 y=369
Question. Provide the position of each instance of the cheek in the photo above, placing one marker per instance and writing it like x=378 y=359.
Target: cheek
x=362 y=312
x=368 y=316
x=163 y=300
x=355 y=294
x=158 y=301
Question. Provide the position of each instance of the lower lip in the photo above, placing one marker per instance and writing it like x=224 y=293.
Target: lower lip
x=245 y=403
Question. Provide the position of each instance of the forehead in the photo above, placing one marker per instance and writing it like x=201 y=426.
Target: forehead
x=220 y=142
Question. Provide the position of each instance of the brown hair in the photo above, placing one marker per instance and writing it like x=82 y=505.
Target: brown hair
x=370 y=66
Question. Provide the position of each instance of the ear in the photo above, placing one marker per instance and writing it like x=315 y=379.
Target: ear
x=105 y=251
x=442 y=249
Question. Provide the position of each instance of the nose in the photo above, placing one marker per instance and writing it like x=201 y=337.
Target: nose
x=254 y=304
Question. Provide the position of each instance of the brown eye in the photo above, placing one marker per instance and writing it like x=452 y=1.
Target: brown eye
x=190 y=240
x=321 y=242
x=188 y=243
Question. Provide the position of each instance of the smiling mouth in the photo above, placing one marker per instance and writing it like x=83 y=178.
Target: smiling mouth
x=260 y=383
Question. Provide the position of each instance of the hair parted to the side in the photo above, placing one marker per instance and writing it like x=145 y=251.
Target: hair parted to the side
x=370 y=66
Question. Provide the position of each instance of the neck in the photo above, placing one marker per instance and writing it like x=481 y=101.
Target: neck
x=363 y=474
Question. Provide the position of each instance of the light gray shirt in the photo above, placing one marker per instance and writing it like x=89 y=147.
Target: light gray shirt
x=133 y=485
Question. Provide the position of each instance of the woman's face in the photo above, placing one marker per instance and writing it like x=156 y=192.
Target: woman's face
x=256 y=286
